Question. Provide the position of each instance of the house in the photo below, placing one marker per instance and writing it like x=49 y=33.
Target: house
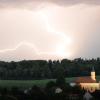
x=88 y=83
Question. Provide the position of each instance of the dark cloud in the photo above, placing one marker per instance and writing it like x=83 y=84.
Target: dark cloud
x=54 y=1
x=25 y=3
x=71 y=2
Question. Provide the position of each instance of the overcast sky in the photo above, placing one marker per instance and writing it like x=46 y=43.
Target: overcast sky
x=49 y=29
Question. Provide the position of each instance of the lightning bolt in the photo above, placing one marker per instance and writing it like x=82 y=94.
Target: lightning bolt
x=60 y=50
x=27 y=44
x=18 y=46
x=66 y=40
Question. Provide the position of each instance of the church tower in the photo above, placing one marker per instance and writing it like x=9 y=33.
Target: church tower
x=93 y=74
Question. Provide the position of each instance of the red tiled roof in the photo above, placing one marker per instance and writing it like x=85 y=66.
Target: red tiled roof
x=85 y=80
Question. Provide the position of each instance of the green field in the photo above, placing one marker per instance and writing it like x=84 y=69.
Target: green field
x=29 y=83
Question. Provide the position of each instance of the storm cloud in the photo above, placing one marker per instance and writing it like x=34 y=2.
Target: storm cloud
x=46 y=26
x=33 y=4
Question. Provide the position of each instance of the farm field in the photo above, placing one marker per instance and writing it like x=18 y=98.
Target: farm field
x=29 y=83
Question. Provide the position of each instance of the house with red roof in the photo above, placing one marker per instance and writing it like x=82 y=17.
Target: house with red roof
x=88 y=83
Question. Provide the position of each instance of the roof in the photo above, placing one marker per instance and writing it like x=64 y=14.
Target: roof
x=85 y=80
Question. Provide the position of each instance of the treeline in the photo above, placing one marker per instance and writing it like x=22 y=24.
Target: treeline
x=42 y=69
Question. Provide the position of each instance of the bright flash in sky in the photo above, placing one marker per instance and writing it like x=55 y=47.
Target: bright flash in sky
x=49 y=30
x=61 y=49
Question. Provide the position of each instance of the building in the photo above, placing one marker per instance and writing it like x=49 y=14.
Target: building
x=88 y=83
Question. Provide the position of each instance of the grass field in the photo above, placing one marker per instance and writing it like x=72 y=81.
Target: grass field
x=29 y=83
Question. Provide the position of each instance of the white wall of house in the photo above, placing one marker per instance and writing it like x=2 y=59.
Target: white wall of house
x=90 y=86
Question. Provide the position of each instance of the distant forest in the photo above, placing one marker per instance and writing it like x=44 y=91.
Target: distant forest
x=42 y=69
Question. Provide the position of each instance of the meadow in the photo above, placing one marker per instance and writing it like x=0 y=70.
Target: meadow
x=23 y=84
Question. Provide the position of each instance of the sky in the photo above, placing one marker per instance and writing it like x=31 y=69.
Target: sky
x=49 y=29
